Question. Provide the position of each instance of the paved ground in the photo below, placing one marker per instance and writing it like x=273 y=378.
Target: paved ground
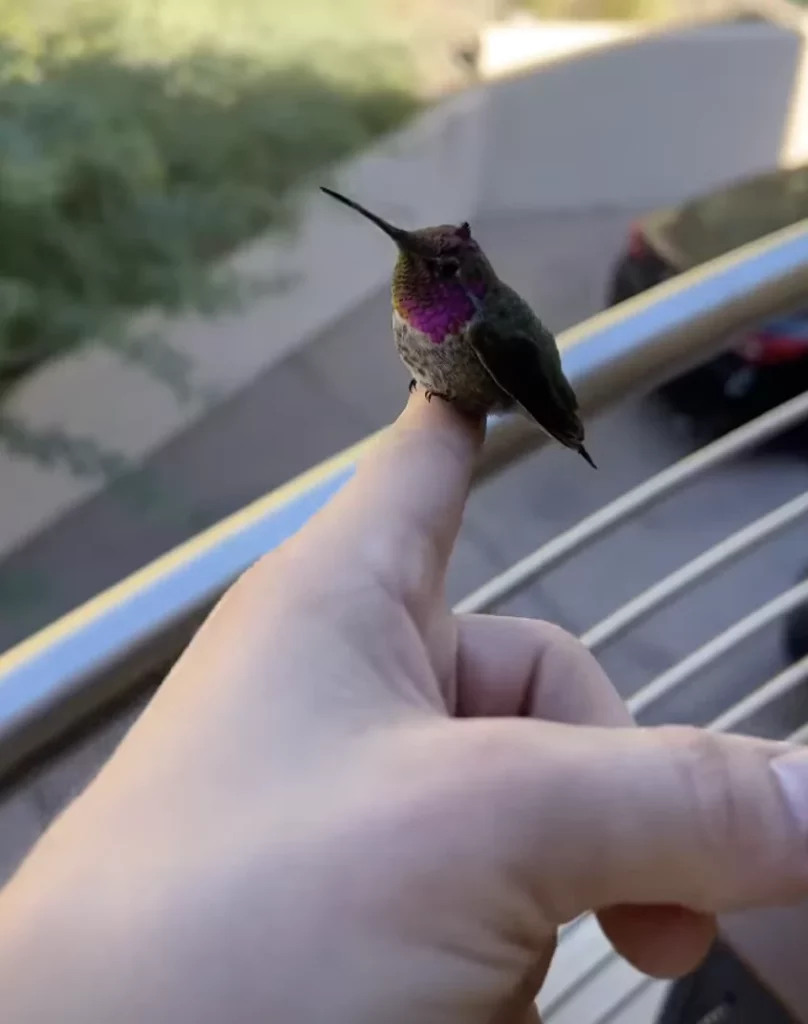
x=349 y=383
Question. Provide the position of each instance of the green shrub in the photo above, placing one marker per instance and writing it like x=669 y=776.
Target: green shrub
x=601 y=10
x=141 y=141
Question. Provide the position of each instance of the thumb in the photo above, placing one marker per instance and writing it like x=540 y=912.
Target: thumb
x=648 y=816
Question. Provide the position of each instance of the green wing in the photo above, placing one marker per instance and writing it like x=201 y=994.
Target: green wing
x=521 y=355
x=530 y=377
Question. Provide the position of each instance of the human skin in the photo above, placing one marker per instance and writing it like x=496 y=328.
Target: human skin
x=346 y=805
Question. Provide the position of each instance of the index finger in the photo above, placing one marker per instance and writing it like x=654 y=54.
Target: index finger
x=400 y=513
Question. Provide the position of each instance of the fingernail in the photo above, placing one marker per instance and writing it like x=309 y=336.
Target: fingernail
x=791 y=772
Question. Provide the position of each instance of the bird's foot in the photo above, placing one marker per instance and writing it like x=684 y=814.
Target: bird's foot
x=412 y=385
x=430 y=394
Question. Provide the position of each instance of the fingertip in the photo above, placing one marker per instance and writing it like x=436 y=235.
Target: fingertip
x=664 y=941
x=439 y=415
x=511 y=666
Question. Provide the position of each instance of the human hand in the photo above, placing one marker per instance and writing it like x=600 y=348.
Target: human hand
x=347 y=805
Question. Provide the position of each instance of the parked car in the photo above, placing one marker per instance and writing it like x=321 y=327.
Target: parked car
x=769 y=364
x=722 y=990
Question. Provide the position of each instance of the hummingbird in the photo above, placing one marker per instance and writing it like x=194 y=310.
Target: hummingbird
x=469 y=338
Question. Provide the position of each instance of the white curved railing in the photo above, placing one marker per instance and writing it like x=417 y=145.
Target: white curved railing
x=106 y=646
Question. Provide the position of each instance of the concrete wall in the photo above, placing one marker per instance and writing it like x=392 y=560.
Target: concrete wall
x=643 y=121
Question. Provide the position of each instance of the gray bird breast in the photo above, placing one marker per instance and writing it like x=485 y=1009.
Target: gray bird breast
x=450 y=369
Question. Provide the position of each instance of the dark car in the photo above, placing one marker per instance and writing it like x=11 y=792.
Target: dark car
x=722 y=990
x=769 y=364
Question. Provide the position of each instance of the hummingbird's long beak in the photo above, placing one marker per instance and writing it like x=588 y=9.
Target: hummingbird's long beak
x=404 y=239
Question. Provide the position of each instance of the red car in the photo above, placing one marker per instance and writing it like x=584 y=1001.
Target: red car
x=770 y=364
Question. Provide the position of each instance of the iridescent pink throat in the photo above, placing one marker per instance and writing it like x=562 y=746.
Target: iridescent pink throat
x=445 y=313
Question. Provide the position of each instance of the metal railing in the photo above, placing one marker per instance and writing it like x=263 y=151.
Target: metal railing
x=93 y=654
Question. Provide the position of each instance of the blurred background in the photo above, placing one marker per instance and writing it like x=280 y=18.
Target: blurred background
x=142 y=143
x=185 y=326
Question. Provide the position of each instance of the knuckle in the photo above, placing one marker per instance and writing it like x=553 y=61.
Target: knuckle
x=397 y=558
x=405 y=561
x=558 y=637
x=714 y=793
x=575 y=654
x=744 y=842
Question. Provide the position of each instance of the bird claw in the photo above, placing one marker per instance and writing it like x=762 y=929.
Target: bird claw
x=429 y=394
x=412 y=385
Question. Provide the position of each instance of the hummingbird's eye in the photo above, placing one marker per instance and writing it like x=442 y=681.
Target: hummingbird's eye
x=448 y=268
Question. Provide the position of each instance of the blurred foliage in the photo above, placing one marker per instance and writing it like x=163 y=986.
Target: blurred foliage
x=602 y=10
x=141 y=140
